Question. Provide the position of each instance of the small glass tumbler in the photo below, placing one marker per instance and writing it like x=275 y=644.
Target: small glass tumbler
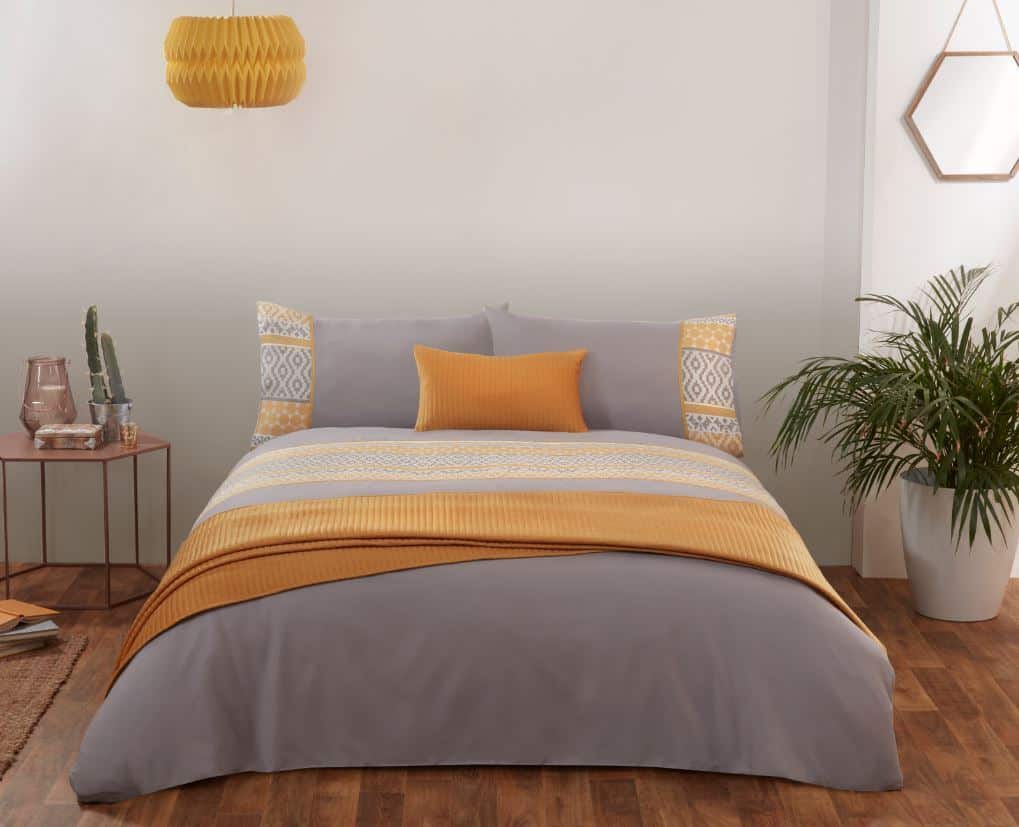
x=129 y=435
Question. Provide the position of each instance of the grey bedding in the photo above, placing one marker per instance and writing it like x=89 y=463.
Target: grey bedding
x=619 y=658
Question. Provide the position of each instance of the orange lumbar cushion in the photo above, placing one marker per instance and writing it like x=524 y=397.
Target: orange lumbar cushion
x=533 y=392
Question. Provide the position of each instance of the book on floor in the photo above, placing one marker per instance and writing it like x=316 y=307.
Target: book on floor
x=18 y=648
x=15 y=613
x=43 y=630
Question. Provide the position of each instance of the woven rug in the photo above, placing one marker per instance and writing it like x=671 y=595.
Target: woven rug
x=28 y=684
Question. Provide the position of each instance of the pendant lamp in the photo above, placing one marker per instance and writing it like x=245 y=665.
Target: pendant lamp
x=220 y=62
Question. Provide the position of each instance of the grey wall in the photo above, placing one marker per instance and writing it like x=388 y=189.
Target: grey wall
x=593 y=158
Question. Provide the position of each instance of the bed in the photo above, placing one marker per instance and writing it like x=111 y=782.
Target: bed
x=376 y=596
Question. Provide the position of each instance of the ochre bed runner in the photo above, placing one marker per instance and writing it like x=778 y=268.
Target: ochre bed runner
x=263 y=549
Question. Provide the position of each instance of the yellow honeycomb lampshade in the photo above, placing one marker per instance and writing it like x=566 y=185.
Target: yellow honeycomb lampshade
x=220 y=62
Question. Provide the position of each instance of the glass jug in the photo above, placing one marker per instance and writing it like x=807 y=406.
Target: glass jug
x=48 y=399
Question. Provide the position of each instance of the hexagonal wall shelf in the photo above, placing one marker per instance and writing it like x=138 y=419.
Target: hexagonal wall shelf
x=965 y=118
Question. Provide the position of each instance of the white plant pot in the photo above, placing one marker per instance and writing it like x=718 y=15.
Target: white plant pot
x=950 y=581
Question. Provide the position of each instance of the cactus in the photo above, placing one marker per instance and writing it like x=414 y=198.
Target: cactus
x=117 y=394
x=94 y=342
x=95 y=366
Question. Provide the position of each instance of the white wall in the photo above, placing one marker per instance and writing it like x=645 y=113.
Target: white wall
x=918 y=225
x=595 y=158
x=847 y=99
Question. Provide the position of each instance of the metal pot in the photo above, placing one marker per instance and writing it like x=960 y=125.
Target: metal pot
x=111 y=415
x=951 y=582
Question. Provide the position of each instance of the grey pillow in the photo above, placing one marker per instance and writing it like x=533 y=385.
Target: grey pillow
x=365 y=372
x=673 y=378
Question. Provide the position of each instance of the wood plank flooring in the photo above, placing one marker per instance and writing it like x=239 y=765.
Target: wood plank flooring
x=957 y=721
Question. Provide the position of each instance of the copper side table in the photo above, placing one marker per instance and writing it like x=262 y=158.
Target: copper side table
x=19 y=447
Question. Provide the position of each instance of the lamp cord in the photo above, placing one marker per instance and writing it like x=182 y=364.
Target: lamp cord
x=1001 y=24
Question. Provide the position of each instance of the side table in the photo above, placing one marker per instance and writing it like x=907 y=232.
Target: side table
x=19 y=447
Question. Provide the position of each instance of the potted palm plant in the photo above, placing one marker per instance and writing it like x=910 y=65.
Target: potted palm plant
x=938 y=406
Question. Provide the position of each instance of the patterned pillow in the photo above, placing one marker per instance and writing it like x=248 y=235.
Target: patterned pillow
x=672 y=378
x=708 y=383
x=287 y=357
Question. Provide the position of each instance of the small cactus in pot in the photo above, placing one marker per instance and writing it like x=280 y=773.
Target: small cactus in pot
x=110 y=405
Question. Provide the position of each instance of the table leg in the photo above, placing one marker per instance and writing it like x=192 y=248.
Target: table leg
x=167 y=505
x=106 y=530
x=42 y=489
x=7 y=553
x=134 y=461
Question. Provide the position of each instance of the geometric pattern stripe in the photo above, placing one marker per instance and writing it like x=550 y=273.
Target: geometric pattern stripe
x=287 y=362
x=707 y=383
x=707 y=378
x=286 y=373
x=276 y=320
x=444 y=460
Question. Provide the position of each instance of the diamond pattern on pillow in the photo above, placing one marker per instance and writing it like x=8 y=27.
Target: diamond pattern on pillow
x=287 y=359
x=707 y=378
x=286 y=372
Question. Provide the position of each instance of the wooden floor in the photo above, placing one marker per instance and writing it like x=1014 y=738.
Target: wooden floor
x=957 y=721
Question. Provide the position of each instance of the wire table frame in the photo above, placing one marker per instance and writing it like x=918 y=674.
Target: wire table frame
x=19 y=448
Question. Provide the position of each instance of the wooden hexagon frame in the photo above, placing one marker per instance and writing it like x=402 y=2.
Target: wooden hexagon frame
x=918 y=136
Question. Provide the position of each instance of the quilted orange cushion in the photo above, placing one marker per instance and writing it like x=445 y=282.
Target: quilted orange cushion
x=532 y=392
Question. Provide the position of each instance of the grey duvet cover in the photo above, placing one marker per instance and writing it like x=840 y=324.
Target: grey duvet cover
x=616 y=658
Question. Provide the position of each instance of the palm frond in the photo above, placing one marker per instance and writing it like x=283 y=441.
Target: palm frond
x=941 y=396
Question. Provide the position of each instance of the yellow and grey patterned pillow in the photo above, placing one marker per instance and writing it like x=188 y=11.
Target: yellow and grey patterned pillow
x=707 y=382
x=287 y=356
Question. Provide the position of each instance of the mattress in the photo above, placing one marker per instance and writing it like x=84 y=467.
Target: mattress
x=628 y=657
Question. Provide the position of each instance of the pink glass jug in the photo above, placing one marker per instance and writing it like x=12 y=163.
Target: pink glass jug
x=48 y=399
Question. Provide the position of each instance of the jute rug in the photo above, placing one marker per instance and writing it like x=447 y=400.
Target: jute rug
x=28 y=684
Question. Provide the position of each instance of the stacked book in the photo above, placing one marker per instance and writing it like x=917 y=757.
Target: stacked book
x=24 y=626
